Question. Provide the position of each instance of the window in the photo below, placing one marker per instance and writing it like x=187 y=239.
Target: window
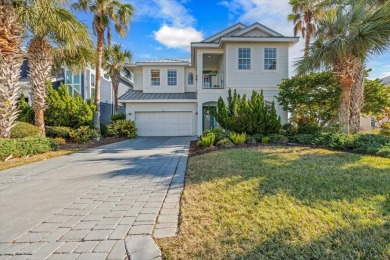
x=244 y=58
x=172 y=78
x=270 y=58
x=155 y=77
x=73 y=83
x=190 y=78
x=92 y=87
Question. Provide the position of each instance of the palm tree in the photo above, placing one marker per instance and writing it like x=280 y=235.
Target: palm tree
x=114 y=63
x=305 y=16
x=343 y=42
x=10 y=62
x=104 y=13
x=49 y=26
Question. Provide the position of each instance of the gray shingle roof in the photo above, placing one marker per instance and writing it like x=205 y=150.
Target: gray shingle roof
x=139 y=95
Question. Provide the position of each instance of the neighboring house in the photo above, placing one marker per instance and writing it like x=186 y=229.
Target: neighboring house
x=83 y=84
x=172 y=97
x=367 y=122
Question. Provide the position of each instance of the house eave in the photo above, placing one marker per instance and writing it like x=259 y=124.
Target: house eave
x=158 y=101
x=291 y=40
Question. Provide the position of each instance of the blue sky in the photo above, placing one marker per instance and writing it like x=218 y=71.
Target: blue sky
x=165 y=28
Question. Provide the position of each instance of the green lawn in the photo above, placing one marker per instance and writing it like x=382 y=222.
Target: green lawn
x=284 y=203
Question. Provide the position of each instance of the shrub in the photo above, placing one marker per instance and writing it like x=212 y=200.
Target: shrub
x=22 y=129
x=103 y=129
x=308 y=128
x=65 y=110
x=258 y=137
x=207 y=140
x=371 y=144
x=250 y=139
x=250 y=115
x=385 y=129
x=219 y=134
x=58 y=131
x=26 y=112
x=122 y=128
x=20 y=147
x=83 y=134
x=278 y=139
x=225 y=142
x=265 y=139
x=237 y=138
x=118 y=116
x=289 y=129
x=60 y=140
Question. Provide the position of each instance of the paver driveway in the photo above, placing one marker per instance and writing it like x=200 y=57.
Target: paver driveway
x=94 y=204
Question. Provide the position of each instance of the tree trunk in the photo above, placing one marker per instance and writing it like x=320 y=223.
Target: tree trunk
x=10 y=62
x=40 y=61
x=345 y=103
x=357 y=98
x=116 y=77
x=307 y=44
x=99 y=55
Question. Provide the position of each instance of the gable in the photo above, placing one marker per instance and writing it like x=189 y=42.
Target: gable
x=227 y=32
x=256 y=33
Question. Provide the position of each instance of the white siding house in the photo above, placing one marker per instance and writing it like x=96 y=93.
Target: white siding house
x=171 y=97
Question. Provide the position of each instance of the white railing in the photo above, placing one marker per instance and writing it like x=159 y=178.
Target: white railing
x=213 y=81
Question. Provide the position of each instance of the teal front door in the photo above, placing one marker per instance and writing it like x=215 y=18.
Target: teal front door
x=208 y=118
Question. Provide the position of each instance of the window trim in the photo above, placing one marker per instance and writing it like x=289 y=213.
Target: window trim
x=250 y=59
x=276 y=58
x=72 y=84
x=92 y=84
x=171 y=77
x=155 y=78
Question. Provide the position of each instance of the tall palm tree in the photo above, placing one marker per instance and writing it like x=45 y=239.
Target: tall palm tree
x=343 y=42
x=105 y=12
x=305 y=16
x=10 y=63
x=49 y=25
x=114 y=63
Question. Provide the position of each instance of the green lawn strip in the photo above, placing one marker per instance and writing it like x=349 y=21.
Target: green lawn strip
x=34 y=158
x=283 y=203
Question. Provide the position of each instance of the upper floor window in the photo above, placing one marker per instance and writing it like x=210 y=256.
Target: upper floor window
x=155 y=77
x=270 y=58
x=190 y=78
x=172 y=77
x=244 y=58
x=92 y=86
x=73 y=83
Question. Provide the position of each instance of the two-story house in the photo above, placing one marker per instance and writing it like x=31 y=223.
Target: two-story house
x=172 y=97
x=82 y=84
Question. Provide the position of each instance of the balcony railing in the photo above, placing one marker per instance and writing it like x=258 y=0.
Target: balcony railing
x=213 y=81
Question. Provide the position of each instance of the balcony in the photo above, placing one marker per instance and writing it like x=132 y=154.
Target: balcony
x=213 y=81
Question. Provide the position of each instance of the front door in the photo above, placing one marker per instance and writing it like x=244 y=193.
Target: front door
x=208 y=118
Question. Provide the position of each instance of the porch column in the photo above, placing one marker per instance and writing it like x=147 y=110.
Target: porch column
x=199 y=70
x=199 y=86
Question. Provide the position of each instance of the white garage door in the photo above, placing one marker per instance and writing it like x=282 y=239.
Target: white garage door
x=164 y=123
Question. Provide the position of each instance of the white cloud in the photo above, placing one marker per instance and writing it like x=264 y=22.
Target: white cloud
x=177 y=30
x=272 y=14
x=176 y=37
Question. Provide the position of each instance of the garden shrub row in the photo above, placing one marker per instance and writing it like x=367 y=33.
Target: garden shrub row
x=19 y=147
x=361 y=143
x=22 y=129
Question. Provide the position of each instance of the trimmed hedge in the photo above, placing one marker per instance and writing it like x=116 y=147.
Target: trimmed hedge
x=361 y=143
x=58 y=131
x=20 y=147
x=22 y=130
x=122 y=128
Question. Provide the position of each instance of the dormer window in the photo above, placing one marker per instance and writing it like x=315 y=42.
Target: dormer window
x=244 y=58
x=155 y=77
x=190 y=78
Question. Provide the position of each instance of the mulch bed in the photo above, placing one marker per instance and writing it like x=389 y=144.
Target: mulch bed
x=198 y=150
x=91 y=144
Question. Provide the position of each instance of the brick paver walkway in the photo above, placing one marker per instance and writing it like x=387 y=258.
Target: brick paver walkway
x=131 y=192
